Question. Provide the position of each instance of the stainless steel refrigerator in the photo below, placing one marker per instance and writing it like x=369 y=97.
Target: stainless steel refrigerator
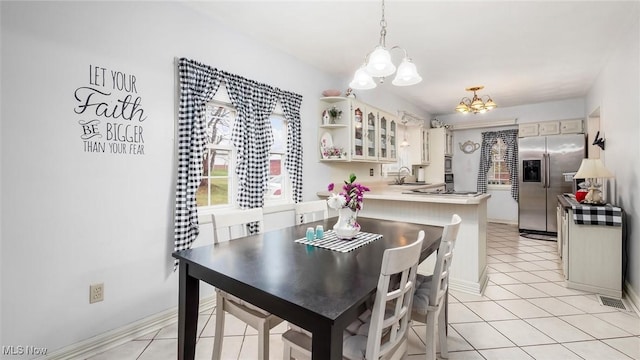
x=542 y=162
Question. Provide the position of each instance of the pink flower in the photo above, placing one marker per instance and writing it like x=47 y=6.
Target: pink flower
x=352 y=194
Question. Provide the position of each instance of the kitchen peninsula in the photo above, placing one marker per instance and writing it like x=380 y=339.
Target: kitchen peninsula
x=396 y=202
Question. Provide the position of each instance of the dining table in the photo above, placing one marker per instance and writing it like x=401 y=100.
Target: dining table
x=318 y=289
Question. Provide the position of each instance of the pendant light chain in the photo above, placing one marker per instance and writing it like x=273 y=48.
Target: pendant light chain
x=383 y=28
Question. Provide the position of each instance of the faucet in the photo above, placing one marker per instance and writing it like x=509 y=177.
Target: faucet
x=399 y=177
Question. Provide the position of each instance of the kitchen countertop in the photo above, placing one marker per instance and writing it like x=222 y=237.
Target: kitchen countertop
x=562 y=199
x=381 y=191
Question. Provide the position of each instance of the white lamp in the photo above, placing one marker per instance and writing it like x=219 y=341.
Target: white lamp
x=593 y=169
x=378 y=64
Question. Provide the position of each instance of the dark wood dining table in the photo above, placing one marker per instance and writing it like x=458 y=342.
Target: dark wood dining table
x=320 y=290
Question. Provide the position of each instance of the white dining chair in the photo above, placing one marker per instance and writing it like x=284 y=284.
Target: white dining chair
x=430 y=296
x=309 y=211
x=228 y=225
x=381 y=332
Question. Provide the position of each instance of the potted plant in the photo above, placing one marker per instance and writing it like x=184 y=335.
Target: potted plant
x=334 y=114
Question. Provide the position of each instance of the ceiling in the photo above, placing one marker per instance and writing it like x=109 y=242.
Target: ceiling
x=523 y=52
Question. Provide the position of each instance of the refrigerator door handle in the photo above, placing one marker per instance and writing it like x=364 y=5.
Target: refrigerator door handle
x=547 y=173
x=544 y=171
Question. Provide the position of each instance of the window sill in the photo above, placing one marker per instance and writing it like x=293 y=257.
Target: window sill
x=494 y=187
x=204 y=213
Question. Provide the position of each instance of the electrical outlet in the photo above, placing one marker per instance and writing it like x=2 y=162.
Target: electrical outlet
x=96 y=293
x=370 y=172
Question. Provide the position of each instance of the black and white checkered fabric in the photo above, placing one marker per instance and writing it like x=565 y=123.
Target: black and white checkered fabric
x=198 y=85
x=331 y=242
x=251 y=136
x=291 y=106
x=607 y=215
x=510 y=139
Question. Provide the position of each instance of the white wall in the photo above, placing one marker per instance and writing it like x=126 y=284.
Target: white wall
x=71 y=218
x=616 y=91
x=1 y=201
x=501 y=206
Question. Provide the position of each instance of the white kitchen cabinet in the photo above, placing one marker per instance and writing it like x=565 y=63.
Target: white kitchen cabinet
x=440 y=142
x=388 y=137
x=363 y=132
x=549 y=128
x=425 y=157
x=592 y=255
x=418 y=149
x=571 y=126
x=530 y=129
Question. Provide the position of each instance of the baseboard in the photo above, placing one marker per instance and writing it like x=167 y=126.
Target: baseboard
x=119 y=336
x=632 y=296
x=475 y=288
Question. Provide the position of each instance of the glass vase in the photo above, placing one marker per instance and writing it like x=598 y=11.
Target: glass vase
x=347 y=227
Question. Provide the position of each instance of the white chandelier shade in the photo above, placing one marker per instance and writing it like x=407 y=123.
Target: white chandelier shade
x=362 y=80
x=407 y=74
x=378 y=64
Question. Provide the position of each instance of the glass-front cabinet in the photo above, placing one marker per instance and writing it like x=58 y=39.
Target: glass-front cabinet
x=364 y=132
x=359 y=132
x=372 y=134
x=388 y=137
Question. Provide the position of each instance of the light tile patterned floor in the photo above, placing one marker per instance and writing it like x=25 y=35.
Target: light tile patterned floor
x=526 y=312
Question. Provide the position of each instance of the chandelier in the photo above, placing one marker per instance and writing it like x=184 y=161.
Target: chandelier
x=475 y=105
x=378 y=64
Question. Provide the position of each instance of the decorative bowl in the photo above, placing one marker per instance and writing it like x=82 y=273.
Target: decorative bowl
x=331 y=92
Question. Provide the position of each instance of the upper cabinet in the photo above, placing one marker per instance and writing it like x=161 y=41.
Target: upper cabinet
x=418 y=148
x=388 y=136
x=440 y=142
x=571 y=126
x=361 y=132
x=574 y=126
x=549 y=128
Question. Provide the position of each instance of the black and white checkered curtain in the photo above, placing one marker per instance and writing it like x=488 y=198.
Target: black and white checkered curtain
x=510 y=139
x=291 y=106
x=489 y=139
x=252 y=137
x=198 y=85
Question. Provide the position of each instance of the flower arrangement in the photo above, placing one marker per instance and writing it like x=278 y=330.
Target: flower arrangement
x=350 y=197
x=335 y=113
x=332 y=151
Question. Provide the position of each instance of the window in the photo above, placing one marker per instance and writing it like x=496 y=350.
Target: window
x=217 y=186
x=277 y=189
x=498 y=173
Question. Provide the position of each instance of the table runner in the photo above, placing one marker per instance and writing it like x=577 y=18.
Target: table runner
x=585 y=214
x=332 y=242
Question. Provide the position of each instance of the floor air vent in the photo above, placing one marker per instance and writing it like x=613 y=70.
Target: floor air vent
x=612 y=302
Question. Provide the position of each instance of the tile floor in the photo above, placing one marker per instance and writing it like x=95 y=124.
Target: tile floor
x=525 y=313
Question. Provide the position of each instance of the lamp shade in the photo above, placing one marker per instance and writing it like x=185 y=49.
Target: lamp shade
x=592 y=168
x=407 y=74
x=490 y=105
x=379 y=64
x=362 y=80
